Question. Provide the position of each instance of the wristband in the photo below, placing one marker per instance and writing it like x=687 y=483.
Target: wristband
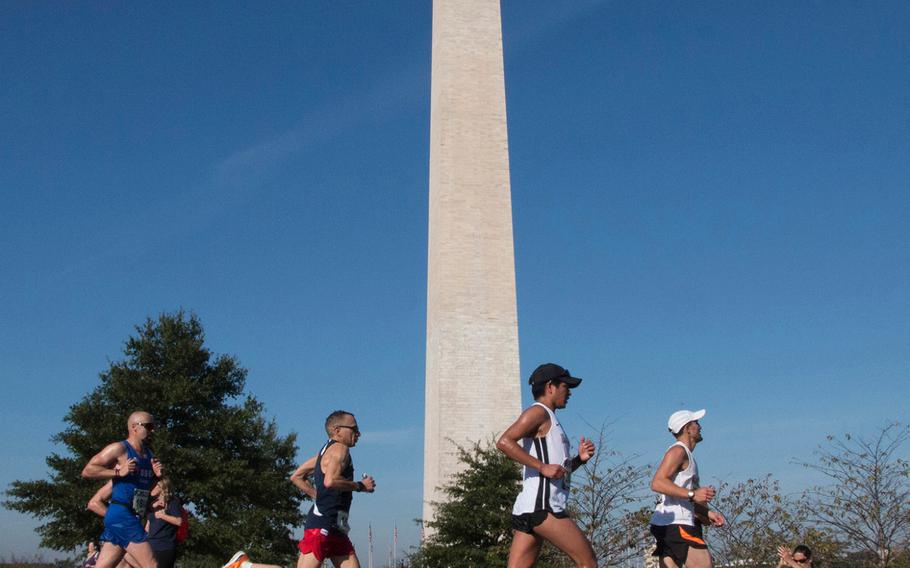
x=361 y=486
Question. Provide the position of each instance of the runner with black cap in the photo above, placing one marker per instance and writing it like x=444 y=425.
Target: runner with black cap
x=683 y=507
x=537 y=441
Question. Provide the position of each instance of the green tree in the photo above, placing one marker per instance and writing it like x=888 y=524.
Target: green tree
x=473 y=527
x=226 y=460
x=867 y=500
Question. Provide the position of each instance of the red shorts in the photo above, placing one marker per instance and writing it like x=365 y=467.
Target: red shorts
x=325 y=544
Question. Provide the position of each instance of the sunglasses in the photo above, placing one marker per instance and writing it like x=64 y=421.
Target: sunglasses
x=146 y=425
x=354 y=429
x=801 y=560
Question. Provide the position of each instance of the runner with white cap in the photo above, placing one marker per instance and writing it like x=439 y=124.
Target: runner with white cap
x=683 y=507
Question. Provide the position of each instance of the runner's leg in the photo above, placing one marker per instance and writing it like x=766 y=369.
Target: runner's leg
x=565 y=535
x=141 y=553
x=699 y=558
x=349 y=561
x=667 y=562
x=524 y=550
x=110 y=556
x=308 y=561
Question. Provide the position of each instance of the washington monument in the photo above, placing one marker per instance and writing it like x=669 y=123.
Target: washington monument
x=472 y=371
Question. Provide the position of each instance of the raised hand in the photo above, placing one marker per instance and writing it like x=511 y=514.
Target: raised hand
x=369 y=484
x=785 y=554
x=585 y=449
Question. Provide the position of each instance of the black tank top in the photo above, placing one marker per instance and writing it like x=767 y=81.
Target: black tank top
x=332 y=506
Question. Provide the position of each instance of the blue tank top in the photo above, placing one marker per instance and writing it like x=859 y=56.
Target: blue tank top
x=133 y=490
x=330 y=512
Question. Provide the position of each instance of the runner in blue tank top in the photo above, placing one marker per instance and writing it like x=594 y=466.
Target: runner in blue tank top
x=133 y=470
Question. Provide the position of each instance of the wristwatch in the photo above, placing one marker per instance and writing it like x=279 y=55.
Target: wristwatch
x=691 y=495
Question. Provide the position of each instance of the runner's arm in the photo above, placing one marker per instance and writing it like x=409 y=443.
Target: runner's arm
x=300 y=477
x=332 y=460
x=701 y=513
x=160 y=514
x=106 y=463
x=662 y=482
x=98 y=503
x=527 y=426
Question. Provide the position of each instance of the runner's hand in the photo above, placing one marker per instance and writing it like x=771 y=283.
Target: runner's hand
x=716 y=519
x=157 y=468
x=130 y=466
x=704 y=494
x=585 y=449
x=552 y=471
x=369 y=484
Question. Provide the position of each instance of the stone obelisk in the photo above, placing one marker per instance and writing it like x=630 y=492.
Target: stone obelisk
x=472 y=371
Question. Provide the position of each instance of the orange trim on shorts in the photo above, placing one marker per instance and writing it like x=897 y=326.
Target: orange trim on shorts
x=690 y=538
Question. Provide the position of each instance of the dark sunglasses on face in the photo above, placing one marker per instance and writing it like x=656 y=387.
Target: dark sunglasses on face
x=354 y=429
x=801 y=560
x=146 y=425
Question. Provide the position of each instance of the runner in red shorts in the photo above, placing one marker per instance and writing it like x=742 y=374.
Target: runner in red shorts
x=326 y=535
x=323 y=544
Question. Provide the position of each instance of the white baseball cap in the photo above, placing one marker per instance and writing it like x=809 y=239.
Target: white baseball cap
x=682 y=417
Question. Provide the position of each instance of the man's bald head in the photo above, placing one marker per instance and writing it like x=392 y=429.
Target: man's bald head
x=139 y=417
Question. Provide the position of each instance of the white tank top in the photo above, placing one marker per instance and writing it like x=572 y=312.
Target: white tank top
x=539 y=493
x=673 y=510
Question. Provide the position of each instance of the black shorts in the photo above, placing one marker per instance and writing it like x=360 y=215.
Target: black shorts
x=526 y=522
x=165 y=558
x=676 y=540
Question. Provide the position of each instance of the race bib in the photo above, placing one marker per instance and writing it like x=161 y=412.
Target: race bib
x=140 y=501
x=342 y=523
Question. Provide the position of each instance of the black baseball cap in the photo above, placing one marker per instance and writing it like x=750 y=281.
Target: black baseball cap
x=553 y=372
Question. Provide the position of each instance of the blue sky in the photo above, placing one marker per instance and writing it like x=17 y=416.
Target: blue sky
x=710 y=208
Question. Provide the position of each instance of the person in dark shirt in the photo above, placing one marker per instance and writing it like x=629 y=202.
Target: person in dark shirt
x=163 y=521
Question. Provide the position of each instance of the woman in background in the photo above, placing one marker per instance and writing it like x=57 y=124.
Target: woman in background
x=163 y=520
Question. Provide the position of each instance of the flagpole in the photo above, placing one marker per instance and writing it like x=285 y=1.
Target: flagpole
x=370 y=557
